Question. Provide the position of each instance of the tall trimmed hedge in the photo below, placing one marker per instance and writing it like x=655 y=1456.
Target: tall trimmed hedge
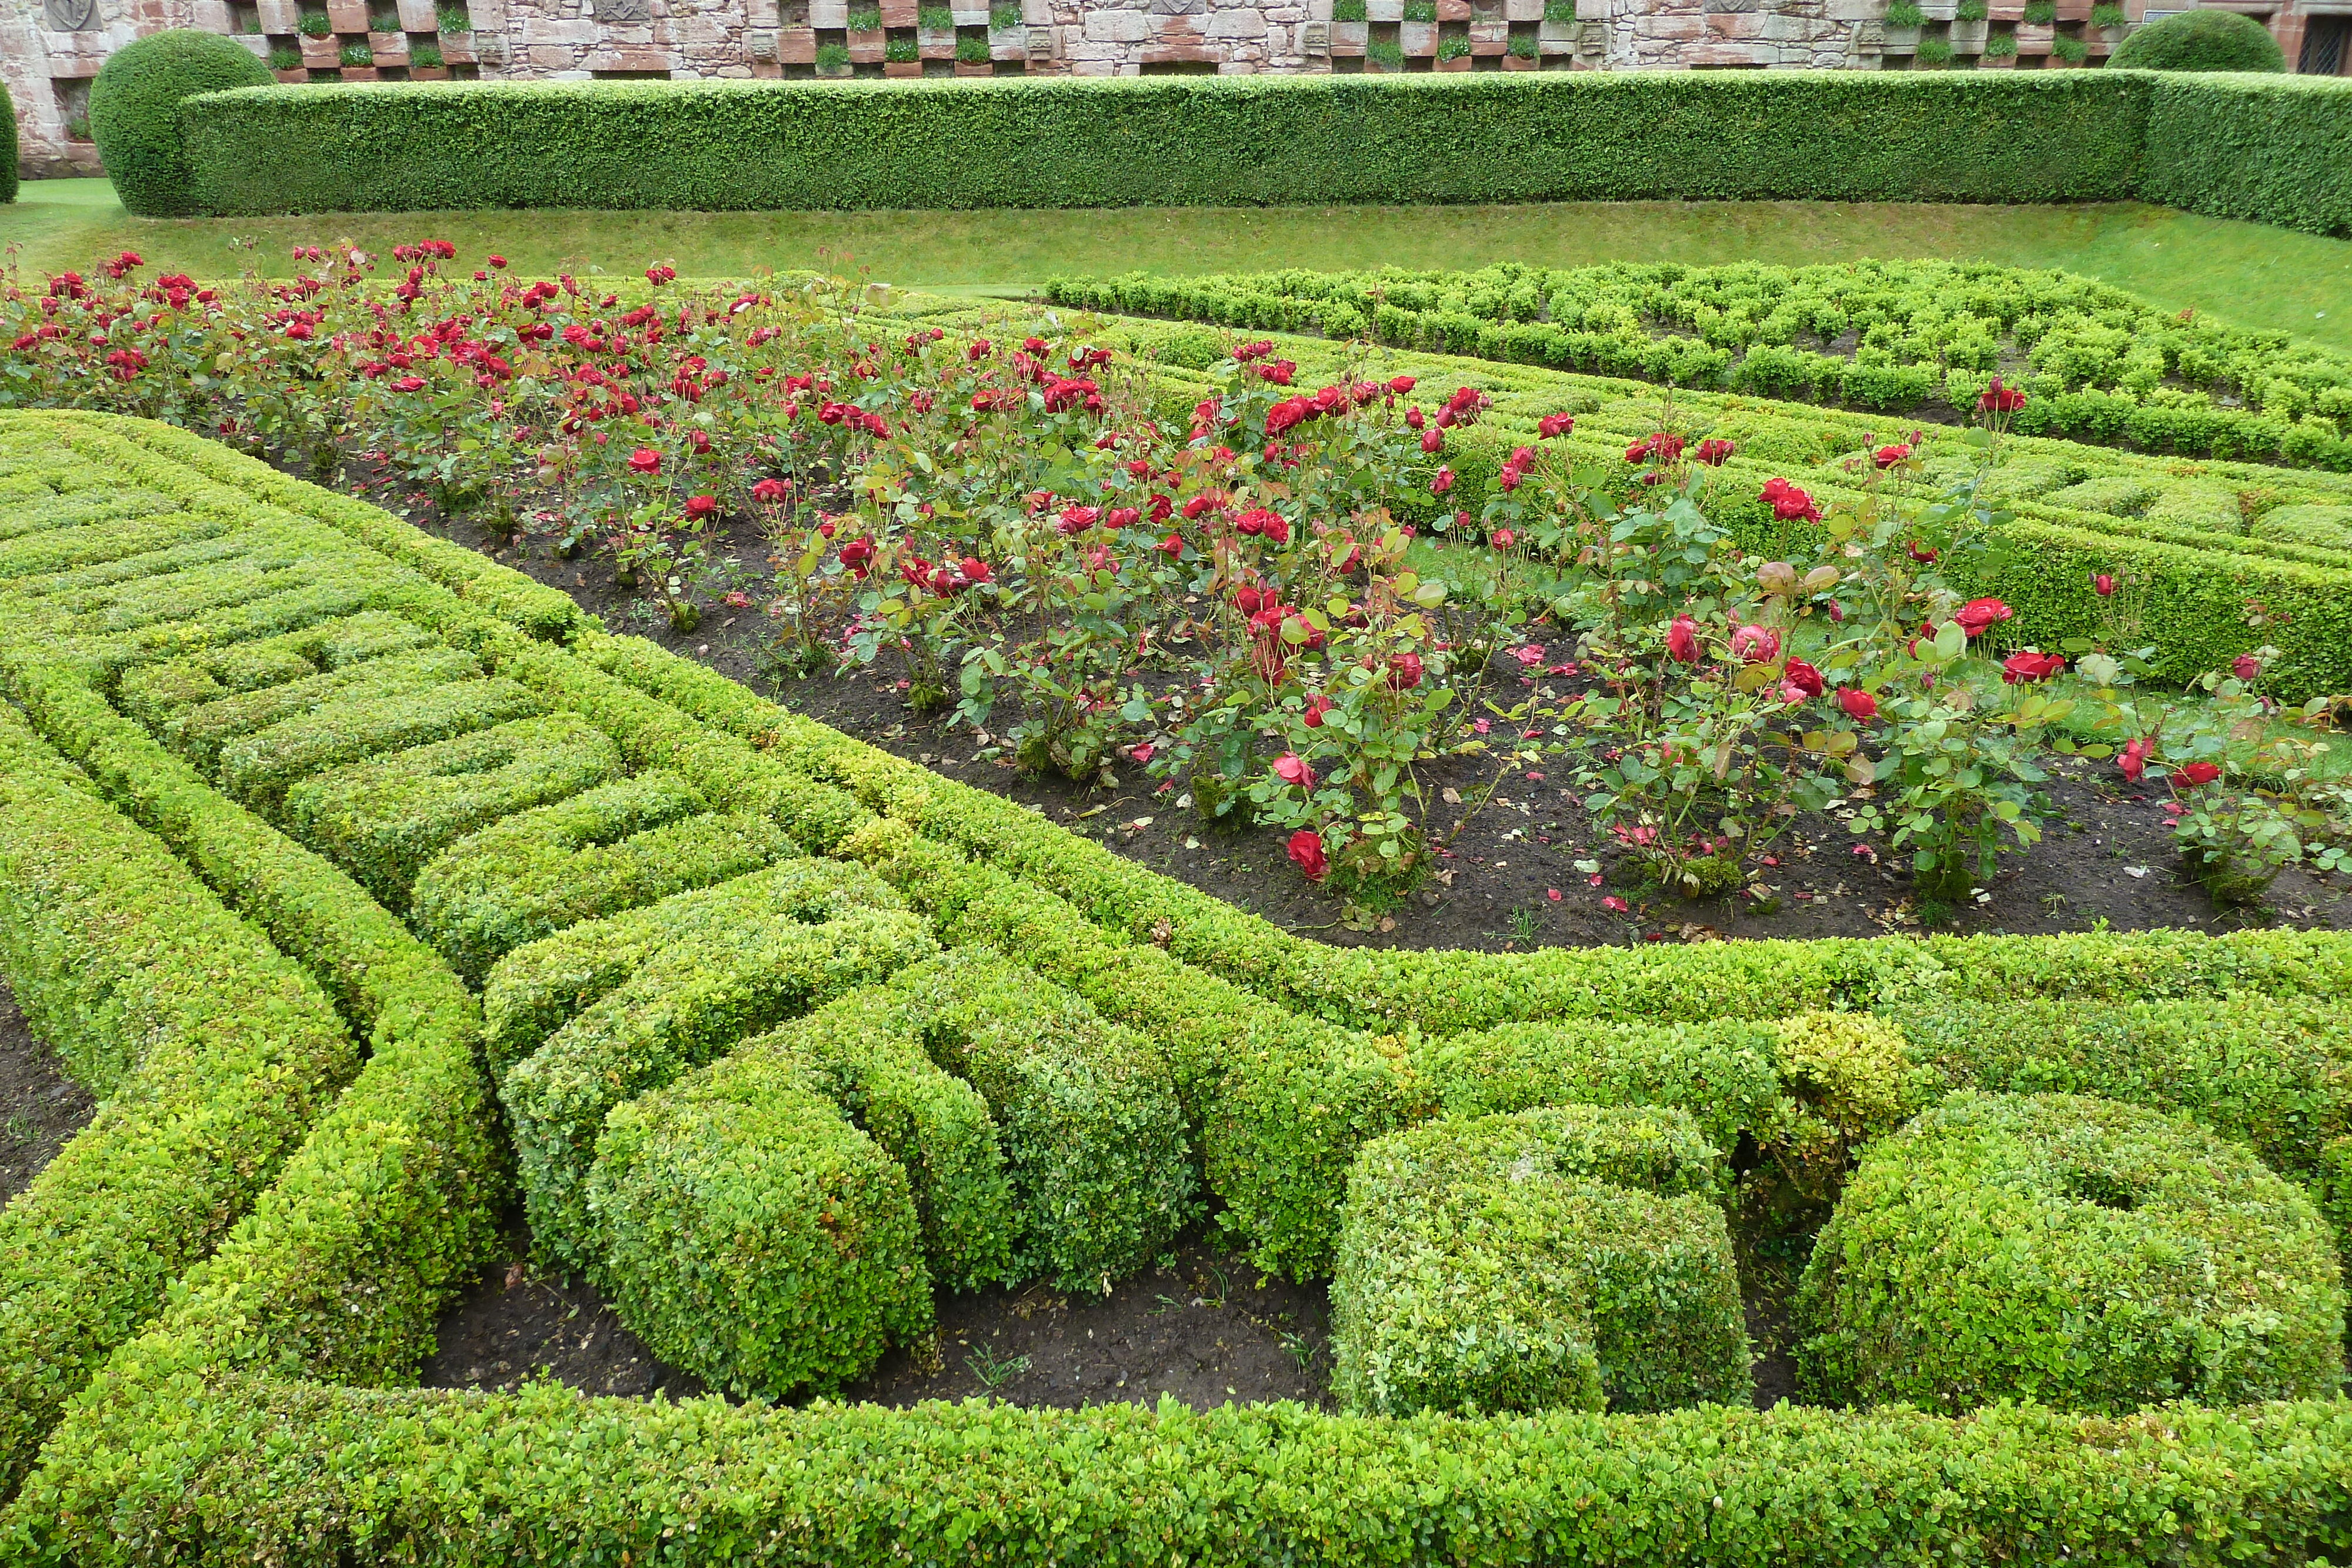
x=2277 y=150
x=2235 y=146
x=1085 y=142
x=8 y=147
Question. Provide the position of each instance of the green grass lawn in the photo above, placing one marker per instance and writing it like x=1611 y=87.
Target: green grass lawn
x=2249 y=274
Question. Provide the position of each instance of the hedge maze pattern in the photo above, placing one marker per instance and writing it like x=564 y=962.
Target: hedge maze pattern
x=376 y=883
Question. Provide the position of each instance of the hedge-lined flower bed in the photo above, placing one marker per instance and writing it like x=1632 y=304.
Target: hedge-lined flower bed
x=247 y=1342
x=327 y=1290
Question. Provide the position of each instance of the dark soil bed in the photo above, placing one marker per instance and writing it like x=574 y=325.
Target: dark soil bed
x=40 y=1107
x=1207 y=1328
x=1507 y=881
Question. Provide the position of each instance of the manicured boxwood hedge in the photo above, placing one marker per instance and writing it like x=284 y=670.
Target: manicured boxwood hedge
x=1571 y=1255
x=209 y=1051
x=2277 y=150
x=253 y=1420
x=1097 y=141
x=2079 y=1252
x=2226 y=145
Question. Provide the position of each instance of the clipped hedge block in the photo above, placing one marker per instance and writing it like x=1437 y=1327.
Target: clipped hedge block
x=863 y=1053
x=1570 y=1255
x=616 y=847
x=752 y=1236
x=1094 y=1138
x=383 y=819
x=2081 y=1253
x=691 y=998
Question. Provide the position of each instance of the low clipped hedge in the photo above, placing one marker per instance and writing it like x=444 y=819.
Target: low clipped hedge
x=861 y=1053
x=1094 y=1136
x=134 y=113
x=698 y=991
x=632 y=843
x=2079 y=1252
x=386 y=817
x=1570 y=1255
x=1731 y=327
x=209 y=1051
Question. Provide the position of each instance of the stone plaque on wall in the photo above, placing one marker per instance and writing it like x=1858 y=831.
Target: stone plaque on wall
x=71 y=15
x=623 y=12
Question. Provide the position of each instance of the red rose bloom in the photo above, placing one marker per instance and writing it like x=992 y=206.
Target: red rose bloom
x=1804 y=677
x=2026 y=666
x=2196 y=774
x=645 y=460
x=1858 y=704
x=1682 y=640
x=1979 y=613
x=1305 y=849
x=699 y=507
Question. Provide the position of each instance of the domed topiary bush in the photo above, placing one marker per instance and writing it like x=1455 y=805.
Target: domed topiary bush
x=134 y=112
x=2201 y=41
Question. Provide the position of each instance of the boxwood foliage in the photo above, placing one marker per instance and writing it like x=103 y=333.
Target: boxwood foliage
x=384 y=819
x=1573 y=1255
x=752 y=1236
x=1107 y=142
x=861 y=1053
x=1094 y=1137
x=134 y=112
x=210 y=1051
x=701 y=988
x=2201 y=41
x=614 y=848
x=2277 y=150
x=2081 y=1252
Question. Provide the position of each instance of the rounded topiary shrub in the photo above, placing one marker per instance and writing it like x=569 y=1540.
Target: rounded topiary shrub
x=2081 y=1253
x=134 y=112
x=2201 y=41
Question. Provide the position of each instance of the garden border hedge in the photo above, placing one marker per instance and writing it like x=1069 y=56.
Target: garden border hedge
x=243 y=1426
x=1109 y=142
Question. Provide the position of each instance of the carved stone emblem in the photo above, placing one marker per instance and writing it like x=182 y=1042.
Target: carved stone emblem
x=623 y=12
x=71 y=15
